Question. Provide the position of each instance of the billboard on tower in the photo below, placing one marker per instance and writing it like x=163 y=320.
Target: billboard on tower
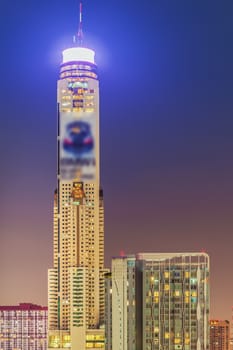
x=77 y=146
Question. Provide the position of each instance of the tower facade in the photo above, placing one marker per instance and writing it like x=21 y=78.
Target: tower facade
x=219 y=335
x=76 y=283
x=159 y=300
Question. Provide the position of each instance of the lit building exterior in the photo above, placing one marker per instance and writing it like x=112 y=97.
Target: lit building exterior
x=23 y=327
x=76 y=281
x=159 y=301
x=108 y=311
x=122 y=334
x=219 y=335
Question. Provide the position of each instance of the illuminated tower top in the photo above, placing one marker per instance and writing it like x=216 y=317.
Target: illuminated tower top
x=79 y=53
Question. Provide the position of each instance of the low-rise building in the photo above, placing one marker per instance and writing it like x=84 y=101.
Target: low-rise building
x=23 y=327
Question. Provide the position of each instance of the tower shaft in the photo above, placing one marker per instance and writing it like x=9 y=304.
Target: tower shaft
x=76 y=287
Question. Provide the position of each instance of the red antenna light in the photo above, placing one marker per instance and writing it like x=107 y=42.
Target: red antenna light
x=122 y=253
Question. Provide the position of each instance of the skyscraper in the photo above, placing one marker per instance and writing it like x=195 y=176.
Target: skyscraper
x=23 y=327
x=219 y=335
x=76 y=283
x=159 y=300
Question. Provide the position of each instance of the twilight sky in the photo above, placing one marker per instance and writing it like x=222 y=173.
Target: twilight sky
x=166 y=80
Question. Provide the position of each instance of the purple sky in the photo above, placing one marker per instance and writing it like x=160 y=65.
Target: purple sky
x=166 y=85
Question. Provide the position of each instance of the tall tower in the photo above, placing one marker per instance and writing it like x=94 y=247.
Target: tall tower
x=76 y=284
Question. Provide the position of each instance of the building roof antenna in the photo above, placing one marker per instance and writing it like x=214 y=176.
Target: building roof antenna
x=80 y=29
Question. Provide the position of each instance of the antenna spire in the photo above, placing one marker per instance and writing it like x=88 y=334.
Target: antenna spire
x=80 y=30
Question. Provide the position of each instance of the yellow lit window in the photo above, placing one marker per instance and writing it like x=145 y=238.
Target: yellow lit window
x=166 y=274
x=187 y=274
x=177 y=341
x=166 y=287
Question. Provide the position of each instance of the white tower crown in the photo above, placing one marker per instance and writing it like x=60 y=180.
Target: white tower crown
x=78 y=54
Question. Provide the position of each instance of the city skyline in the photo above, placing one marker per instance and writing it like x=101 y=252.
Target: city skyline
x=169 y=65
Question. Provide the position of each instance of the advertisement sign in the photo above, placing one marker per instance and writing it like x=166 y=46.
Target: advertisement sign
x=77 y=146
